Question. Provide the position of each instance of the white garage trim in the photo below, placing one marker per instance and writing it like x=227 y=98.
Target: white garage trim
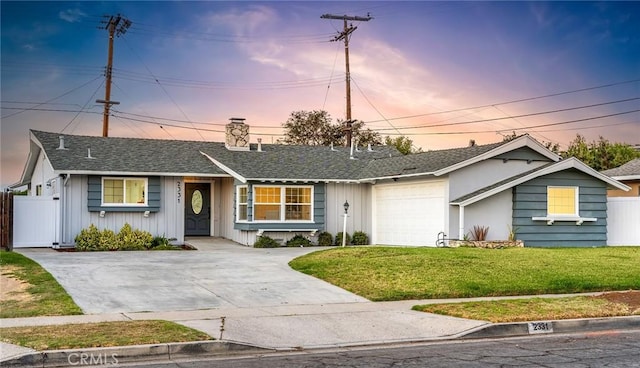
x=409 y=213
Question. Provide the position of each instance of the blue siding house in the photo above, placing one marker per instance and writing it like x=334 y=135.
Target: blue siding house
x=241 y=190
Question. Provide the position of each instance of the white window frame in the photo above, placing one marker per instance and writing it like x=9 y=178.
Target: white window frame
x=283 y=199
x=124 y=191
x=238 y=203
x=575 y=199
x=551 y=218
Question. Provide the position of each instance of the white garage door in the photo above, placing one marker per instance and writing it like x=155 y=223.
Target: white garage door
x=409 y=213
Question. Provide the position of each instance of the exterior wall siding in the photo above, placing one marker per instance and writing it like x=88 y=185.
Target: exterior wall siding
x=488 y=172
x=530 y=200
x=167 y=220
x=493 y=212
x=43 y=173
x=360 y=213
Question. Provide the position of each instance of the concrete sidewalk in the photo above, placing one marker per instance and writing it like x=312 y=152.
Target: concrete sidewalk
x=296 y=327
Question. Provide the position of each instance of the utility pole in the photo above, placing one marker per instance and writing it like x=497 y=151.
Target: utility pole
x=344 y=36
x=117 y=26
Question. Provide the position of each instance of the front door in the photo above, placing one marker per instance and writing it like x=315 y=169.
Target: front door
x=197 y=215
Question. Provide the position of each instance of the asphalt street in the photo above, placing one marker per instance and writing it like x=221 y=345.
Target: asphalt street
x=603 y=349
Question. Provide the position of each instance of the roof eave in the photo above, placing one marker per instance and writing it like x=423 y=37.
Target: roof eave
x=523 y=141
x=225 y=168
x=558 y=166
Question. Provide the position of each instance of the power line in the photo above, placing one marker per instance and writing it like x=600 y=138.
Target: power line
x=48 y=101
x=524 y=128
x=512 y=101
x=164 y=89
x=518 y=116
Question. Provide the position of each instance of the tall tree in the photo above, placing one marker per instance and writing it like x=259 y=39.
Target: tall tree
x=600 y=154
x=311 y=128
x=314 y=128
x=403 y=144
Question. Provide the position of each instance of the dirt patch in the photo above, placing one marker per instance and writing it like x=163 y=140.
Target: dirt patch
x=11 y=288
x=630 y=298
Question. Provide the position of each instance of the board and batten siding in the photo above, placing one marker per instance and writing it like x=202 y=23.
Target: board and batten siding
x=167 y=221
x=530 y=200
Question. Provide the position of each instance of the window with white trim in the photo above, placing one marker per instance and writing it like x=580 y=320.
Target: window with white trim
x=562 y=201
x=242 y=203
x=124 y=191
x=282 y=203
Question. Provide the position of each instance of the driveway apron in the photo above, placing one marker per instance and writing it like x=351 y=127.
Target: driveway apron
x=219 y=275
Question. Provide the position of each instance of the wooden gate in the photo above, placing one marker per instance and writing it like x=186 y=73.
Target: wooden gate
x=6 y=220
x=36 y=221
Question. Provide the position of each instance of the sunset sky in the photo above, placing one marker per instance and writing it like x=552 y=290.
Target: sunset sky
x=441 y=73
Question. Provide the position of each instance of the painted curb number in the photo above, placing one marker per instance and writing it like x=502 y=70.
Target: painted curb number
x=540 y=327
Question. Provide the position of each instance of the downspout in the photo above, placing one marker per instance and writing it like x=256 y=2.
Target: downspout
x=461 y=222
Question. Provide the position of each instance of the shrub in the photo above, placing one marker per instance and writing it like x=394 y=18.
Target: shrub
x=88 y=239
x=159 y=241
x=360 y=238
x=298 y=241
x=108 y=240
x=479 y=233
x=265 y=242
x=134 y=239
x=325 y=239
x=339 y=239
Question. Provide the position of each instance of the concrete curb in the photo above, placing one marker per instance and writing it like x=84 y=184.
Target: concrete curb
x=131 y=354
x=551 y=327
x=177 y=351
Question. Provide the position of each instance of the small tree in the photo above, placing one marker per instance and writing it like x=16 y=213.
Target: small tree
x=600 y=154
x=403 y=144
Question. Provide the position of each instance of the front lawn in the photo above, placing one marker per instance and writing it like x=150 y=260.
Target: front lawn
x=37 y=292
x=392 y=273
x=102 y=334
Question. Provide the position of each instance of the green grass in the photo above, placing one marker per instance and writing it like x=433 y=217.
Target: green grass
x=388 y=273
x=48 y=298
x=535 y=309
x=103 y=334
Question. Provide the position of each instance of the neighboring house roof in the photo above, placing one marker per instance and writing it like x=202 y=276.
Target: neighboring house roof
x=553 y=167
x=628 y=171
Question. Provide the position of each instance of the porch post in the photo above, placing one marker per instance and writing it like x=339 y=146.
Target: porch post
x=461 y=222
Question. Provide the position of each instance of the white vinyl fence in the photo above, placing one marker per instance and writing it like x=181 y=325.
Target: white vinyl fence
x=623 y=221
x=35 y=221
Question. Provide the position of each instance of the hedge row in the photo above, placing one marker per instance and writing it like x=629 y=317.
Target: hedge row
x=325 y=239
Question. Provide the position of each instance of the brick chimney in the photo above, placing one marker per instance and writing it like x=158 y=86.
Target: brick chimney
x=237 y=135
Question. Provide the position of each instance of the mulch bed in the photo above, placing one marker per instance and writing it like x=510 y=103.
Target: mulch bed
x=630 y=298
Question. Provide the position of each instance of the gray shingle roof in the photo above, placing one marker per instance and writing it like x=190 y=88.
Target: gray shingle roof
x=133 y=155
x=425 y=162
x=136 y=155
x=277 y=161
x=631 y=168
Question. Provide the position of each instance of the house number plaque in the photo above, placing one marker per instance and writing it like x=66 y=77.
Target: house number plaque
x=540 y=327
x=196 y=202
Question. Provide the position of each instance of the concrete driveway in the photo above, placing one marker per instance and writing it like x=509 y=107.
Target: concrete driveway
x=221 y=274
